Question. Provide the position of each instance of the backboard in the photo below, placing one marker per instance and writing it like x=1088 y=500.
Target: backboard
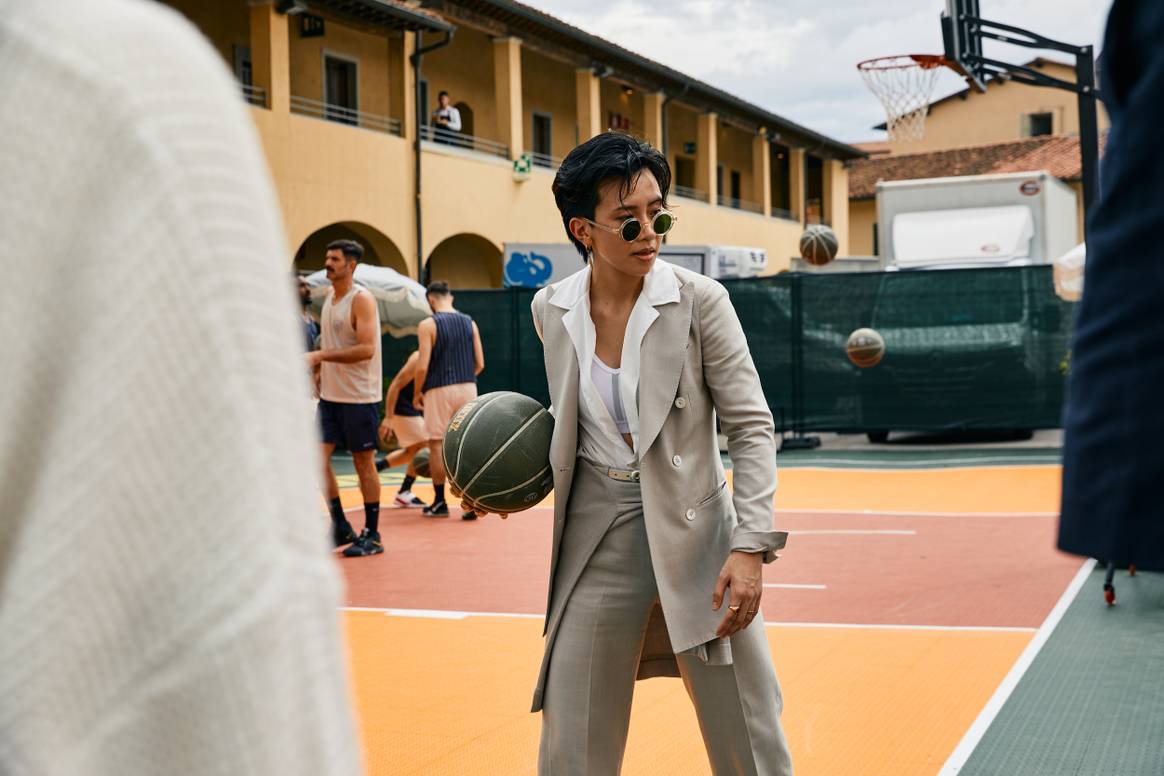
x=963 y=42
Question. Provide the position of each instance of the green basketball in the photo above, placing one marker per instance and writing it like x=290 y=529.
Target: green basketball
x=497 y=452
x=420 y=463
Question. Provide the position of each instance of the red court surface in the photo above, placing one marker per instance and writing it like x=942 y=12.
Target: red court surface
x=981 y=571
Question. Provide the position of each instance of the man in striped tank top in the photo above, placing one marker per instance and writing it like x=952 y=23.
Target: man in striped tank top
x=350 y=389
x=451 y=357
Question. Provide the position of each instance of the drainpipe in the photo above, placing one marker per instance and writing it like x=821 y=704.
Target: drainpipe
x=415 y=59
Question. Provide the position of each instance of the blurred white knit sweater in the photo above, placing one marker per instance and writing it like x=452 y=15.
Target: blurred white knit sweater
x=167 y=602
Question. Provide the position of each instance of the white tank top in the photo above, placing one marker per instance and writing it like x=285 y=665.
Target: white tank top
x=606 y=381
x=361 y=382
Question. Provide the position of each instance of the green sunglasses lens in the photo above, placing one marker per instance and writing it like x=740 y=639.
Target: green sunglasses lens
x=631 y=230
x=663 y=223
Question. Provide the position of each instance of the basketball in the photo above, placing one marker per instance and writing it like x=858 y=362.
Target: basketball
x=865 y=348
x=818 y=245
x=497 y=452
x=420 y=463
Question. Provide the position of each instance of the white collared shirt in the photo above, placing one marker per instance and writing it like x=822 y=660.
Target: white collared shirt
x=599 y=440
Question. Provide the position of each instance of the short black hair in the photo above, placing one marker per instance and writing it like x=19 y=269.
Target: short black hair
x=610 y=156
x=350 y=249
x=442 y=93
x=438 y=288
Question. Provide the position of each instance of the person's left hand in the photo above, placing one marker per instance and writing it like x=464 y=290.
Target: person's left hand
x=742 y=573
x=314 y=358
x=418 y=401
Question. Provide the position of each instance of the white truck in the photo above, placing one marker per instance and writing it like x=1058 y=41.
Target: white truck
x=976 y=348
x=1000 y=220
x=533 y=265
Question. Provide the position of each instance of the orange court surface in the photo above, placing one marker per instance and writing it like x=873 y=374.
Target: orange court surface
x=902 y=602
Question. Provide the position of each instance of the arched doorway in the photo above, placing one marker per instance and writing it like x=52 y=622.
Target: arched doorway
x=466 y=261
x=378 y=247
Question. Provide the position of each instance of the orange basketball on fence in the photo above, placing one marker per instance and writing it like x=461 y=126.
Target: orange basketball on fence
x=865 y=348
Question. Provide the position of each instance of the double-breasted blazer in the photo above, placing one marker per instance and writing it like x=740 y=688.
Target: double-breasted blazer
x=694 y=365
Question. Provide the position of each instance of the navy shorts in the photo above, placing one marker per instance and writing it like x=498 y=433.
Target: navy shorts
x=352 y=427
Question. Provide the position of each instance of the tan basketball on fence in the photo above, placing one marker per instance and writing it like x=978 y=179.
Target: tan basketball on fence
x=818 y=245
x=865 y=348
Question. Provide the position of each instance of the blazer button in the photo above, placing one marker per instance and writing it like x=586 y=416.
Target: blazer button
x=690 y=514
x=681 y=402
x=676 y=461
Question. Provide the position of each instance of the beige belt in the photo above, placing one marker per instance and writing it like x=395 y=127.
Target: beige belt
x=622 y=475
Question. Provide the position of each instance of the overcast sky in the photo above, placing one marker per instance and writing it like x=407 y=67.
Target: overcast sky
x=797 y=57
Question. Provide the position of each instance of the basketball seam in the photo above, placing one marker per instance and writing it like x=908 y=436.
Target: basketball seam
x=461 y=447
x=532 y=479
x=496 y=453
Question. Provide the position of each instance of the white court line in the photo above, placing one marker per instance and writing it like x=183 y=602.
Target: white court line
x=887 y=513
x=791 y=586
x=854 y=532
x=441 y=614
x=969 y=741
x=928 y=465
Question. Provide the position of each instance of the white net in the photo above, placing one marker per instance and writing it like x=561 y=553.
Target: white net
x=904 y=84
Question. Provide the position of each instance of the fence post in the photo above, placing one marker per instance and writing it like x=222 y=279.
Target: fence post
x=798 y=441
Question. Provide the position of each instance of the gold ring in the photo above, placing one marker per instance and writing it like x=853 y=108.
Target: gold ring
x=753 y=611
x=735 y=608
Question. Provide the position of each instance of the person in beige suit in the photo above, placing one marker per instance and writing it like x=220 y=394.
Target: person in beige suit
x=649 y=542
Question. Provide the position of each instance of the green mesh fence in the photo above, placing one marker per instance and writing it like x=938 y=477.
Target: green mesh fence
x=964 y=349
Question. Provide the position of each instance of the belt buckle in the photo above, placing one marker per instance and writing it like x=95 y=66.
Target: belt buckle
x=623 y=475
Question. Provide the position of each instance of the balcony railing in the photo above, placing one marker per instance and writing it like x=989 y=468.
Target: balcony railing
x=689 y=193
x=740 y=204
x=779 y=212
x=545 y=160
x=255 y=95
x=461 y=140
x=342 y=115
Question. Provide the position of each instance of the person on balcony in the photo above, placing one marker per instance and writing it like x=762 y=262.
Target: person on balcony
x=446 y=120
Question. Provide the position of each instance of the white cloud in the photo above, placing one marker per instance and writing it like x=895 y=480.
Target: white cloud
x=798 y=58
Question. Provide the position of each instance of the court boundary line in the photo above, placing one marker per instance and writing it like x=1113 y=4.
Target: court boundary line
x=448 y=614
x=973 y=736
x=960 y=464
x=814 y=512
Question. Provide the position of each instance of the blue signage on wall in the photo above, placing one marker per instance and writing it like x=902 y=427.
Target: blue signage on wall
x=527 y=270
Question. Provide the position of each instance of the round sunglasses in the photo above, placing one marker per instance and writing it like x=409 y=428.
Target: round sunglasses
x=630 y=229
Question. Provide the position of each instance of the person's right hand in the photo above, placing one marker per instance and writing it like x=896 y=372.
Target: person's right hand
x=418 y=401
x=385 y=427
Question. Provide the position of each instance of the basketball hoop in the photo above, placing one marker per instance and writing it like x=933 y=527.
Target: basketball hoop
x=903 y=84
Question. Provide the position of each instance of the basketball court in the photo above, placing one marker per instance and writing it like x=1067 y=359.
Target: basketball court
x=907 y=607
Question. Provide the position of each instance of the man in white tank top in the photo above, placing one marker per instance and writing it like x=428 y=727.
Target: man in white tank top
x=350 y=388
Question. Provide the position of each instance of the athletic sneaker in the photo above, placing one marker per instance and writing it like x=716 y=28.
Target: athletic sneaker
x=405 y=500
x=367 y=544
x=439 y=509
x=342 y=533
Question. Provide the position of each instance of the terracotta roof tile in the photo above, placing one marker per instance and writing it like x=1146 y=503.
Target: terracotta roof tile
x=1057 y=154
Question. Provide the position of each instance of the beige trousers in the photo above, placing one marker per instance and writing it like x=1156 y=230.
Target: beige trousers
x=595 y=658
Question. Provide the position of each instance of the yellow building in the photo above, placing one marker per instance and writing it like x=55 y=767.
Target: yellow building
x=345 y=122
x=1011 y=127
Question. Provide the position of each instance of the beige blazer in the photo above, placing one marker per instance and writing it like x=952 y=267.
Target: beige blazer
x=694 y=364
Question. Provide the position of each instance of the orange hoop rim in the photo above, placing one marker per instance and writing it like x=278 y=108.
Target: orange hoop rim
x=904 y=62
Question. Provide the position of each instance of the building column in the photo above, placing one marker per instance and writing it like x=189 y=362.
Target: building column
x=402 y=83
x=796 y=183
x=589 y=101
x=507 y=93
x=762 y=172
x=653 y=118
x=270 y=57
x=707 y=155
x=836 y=201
